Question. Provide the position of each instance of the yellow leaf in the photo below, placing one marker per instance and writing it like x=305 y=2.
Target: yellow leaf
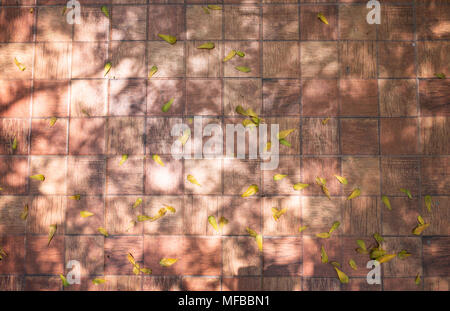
x=161 y=213
x=192 y=180
x=64 y=280
x=76 y=197
x=407 y=192
x=323 y=255
x=284 y=134
x=241 y=110
x=341 y=179
x=105 y=11
x=170 y=208
x=335 y=264
x=19 y=64
x=2 y=253
x=230 y=55
x=131 y=259
x=355 y=193
x=268 y=146
x=259 y=242
x=278 y=213
x=136 y=270
x=326 y=191
x=167 y=262
x=420 y=220
x=251 y=113
x=157 y=159
x=428 y=202
x=137 y=202
x=205 y=9
x=277 y=177
x=103 y=231
x=107 y=69
x=214 y=7
x=386 y=202
x=325 y=121
x=300 y=186
x=212 y=221
x=248 y=123
x=86 y=214
x=251 y=190
x=321 y=181
x=352 y=264
x=24 y=214
x=323 y=235
x=302 y=228
x=124 y=159
x=361 y=244
x=417 y=280
x=252 y=232
x=377 y=253
x=243 y=69
x=32 y=10
x=146 y=270
x=335 y=225
x=207 y=46
x=131 y=225
x=222 y=222
x=152 y=71
x=168 y=38
x=14 y=144
x=240 y=54
x=419 y=229
x=51 y=233
x=342 y=276
x=98 y=281
x=403 y=254
x=184 y=138
x=167 y=105
x=322 y=18
x=38 y=177
x=386 y=258
x=53 y=121
x=144 y=218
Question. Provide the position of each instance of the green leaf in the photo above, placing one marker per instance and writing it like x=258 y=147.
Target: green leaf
x=98 y=281
x=386 y=258
x=302 y=228
x=284 y=134
x=420 y=220
x=342 y=276
x=420 y=228
x=144 y=218
x=377 y=253
x=403 y=254
x=322 y=18
x=52 y=121
x=355 y=193
x=19 y=65
x=300 y=186
x=123 y=159
x=206 y=10
x=64 y=280
x=212 y=221
x=76 y=197
x=323 y=235
x=378 y=238
x=440 y=75
x=207 y=46
x=24 y=213
x=137 y=202
x=214 y=7
x=103 y=231
x=38 y=177
x=14 y=144
x=323 y=255
x=229 y=56
x=240 y=53
x=352 y=264
x=386 y=202
x=167 y=106
x=417 y=280
x=152 y=71
x=285 y=142
x=251 y=190
x=168 y=38
x=105 y=11
x=428 y=202
x=243 y=69
x=341 y=179
x=407 y=192
x=335 y=225
x=51 y=233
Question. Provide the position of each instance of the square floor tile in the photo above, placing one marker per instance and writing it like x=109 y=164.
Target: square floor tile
x=167 y=179
x=130 y=22
x=14 y=247
x=251 y=59
x=203 y=63
x=358 y=59
x=361 y=217
x=353 y=24
x=86 y=66
x=42 y=258
x=86 y=250
x=127 y=178
x=45 y=211
x=319 y=214
x=280 y=22
x=119 y=215
x=432 y=130
x=434 y=96
x=52 y=60
x=128 y=60
x=75 y=224
x=15 y=98
x=14 y=128
x=359 y=136
x=241 y=257
x=86 y=175
x=312 y=28
x=358 y=98
x=171 y=223
x=283 y=256
x=288 y=223
x=281 y=97
x=203 y=100
x=240 y=174
x=399 y=136
x=169 y=59
x=289 y=166
x=166 y=20
x=396 y=60
x=10 y=211
x=47 y=139
x=397 y=23
x=320 y=97
x=87 y=136
x=242 y=22
x=432 y=58
x=363 y=173
x=241 y=213
x=399 y=173
x=202 y=26
x=50 y=98
x=116 y=251
x=159 y=92
x=125 y=135
x=94 y=25
x=51 y=24
x=127 y=97
x=435 y=173
x=319 y=59
x=54 y=171
x=435 y=252
x=17 y=25
x=281 y=59
x=14 y=175
x=23 y=53
x=242 y=92
x=320 y=167
x=319 y=138
x=397 y=97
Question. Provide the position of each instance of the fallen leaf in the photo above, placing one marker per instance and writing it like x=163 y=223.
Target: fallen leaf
x=300 y=186
x=285 y=142
x=240 y=53
x=38 y=177
x=335 y=225
x=76 y=197
x=342 y=276
x=64 y=280
x=251 y=232
x=284 y=134
x=335 y=264
x=352 y=264
x=24 y=213
x=440 y=75
x=268 y=146
x=259 y=242
x=86 y=214
x=420 y=228
x=428 y=202
x=341 y=179
x=278 y=213
x=131 y=259
x=323 y=235
x=168 y=38
x=157 y=159
x=2 y=253
x=51 y=233
x=161 y=213
x=325 y=121
x=205 y=9
x=212 y=221
x=240 y=110
x=323 y=255
x=386 y=258
x=243 y=69
x=141 y=218
x=167 y=262
x=192 y=180
x=322 y=18
x=137 y=202
x=222 y=222
x=185 y=137
x=107 y=69
x=167 y=105
x=278 y=177
x=355 y=193
x=105 y=11
x=326 y=192
x=170 y=208
x=417 y=280
x=377 y=253
x=403 y=254
x=302 y=228
x=19 y=64
x=321 y=181
x=378 y=238
x=230 y=56
x=386 y=202
x=248 y=123
x=98 y=281
x=32 y=10
x=251 y=190
x=362 y=247
x=53 y=121
x=123 y=159
x=207 y=46
x=420 y=220
x=407 y=192
x=146 y=271
x=103 y=231
x=14 y=144
x=152 y=71
x=131 y=225
x=214 y=7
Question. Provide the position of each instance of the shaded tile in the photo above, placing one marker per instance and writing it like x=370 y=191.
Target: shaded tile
x=318 y=31
x=54 y=170
x=123 y=282
x=280 y=22
x=207 y=174
x=169 y=59
x=320 y=97
x=361 y=217
x=285 y=123
x=23 y=53
x=86 y=66
x=125 y=135
x=52 y=25
x=435 y=254
x=399 y=173
x=11 y=283
x=432 y=20
x=158 y=133
x=282 y=284
x=399 y=136
x=363 y=173
x=321 y=284
x=358 y=59
x=353 y=24
x=403 y=267
x=86 y=175
x=197 y=209
x=433 y=58
x=52 y=60
x=241 y=213
x=436 y=283
x=45 y=211
x=288 y=223
x=14 y=128
x=50 y=98
x=75 y=224
x=128 y=60
x=435 y=175
x=396 y=60
x=166 y=19
x=397 y=97
x=119 y=214
x=159 y=92
x=359 y=136
x=17 y=25
x=203 y=100
x=281 y=59
x=161 y=283
x=240 y=174
x=89 y=98
x=127 y=97
x=116 y=250
x=14 y=175
x=164 y=180
x=241 y=284
x=43 y=259
x=94 y=25
x=349 y=252
x=251 y=59
x=398 y=23
x=433 y=131
x=127 y=178
x=281 y=97
x=319 y=213
x=203 y=63
x=358 y=98
x=201 y=26
x=434 y=96
x=402 y=219
x=88 y=251
x=10 y=211
x=319 y=59
x=289 y=166
x=171 y=223
x=15 y=98
x=242 y=22
x=129 y=22
x=48 y=140
x=312 y=263
x=282 y=256
x=87 y=136
x=320 y=167
x=14 y=247
x=42 y=283
x=241 y=257
x=243 y=92
x=318 y=138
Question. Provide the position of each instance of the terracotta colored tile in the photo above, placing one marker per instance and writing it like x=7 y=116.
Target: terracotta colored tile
x=123 y=283
x=251 y=60
x=89 y=98
x=197 y=256
x=319 y=213
x=396 y=60
x=129 y=22
x=23 y=53
x=360 y=285
x=17 y=25
x=240 y=174
x=361 y=217
x=434 y=96
x=438 y=217
x=312 y=263
x=353 y=24
x=11 y=283
x=14 y=128
x=94 y=25
x=281 y=59
x=435 y=175
x=433 y=131
x=399 y=173
x=358 y=59
x=281 y=97
x=127 y=97
x=282 y=256
x=358 y=98
x=288 y=223
x=169 y=59
x=320 y=97
x=321 y=284
x=132 y=1
x=197 y=209
x=242 y=92
x=10 y=211
x=125 y=135
x=159 y=92
x=319 y=59
x=399 y=136
x=86 y=66
x=242 y=22
x=432 y=20
x=241 y=213
x=14 y=175
x=320 y=167
x=289 y=166
x=280 y=22
x=161 y=283
x=52 y=60
x=119 y=214
x=201 y=100
x=359 y=136
x=363 y=173
x=46 y=139
x=207 y=173
x=311 y=28
x=14 y=247
x=201 y=284
x=403 y=217
x=127 y=59
x=87 y=136
x=52 y=25
x=127 y=178
x=435 y=254
x=164 y=180
x=75 y=224
x=241 y=257
x=349 y=247
x=166 y=19
x=285 y=123
x=45 y=211
x=54 y=170
x=50 y=98
x=282 y=284
x=241 y=284
x=43 y=259
x=86 y=175
x=398 y=23
x=433 y=58
x=42 y=283
x=318 y=138
x=403 y=267
x=436 y=284
x=158 y=132
x=116 y=250
x=203 y=63
x=171 y=223
x=15 y=98
x=201 y=26
x=397 y=97
x=88 y=250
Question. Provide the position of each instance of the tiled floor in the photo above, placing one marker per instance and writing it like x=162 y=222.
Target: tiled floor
x=389 y=128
